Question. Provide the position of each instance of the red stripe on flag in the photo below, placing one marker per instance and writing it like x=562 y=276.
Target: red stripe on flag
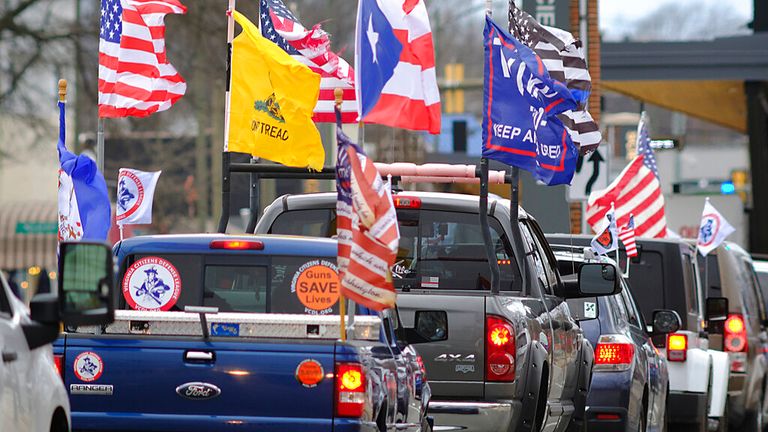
x=406 y=113
x=419 y=51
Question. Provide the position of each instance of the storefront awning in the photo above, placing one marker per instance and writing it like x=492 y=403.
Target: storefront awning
x=28 y=235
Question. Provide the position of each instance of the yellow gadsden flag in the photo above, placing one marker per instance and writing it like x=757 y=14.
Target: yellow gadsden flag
x=271 y=102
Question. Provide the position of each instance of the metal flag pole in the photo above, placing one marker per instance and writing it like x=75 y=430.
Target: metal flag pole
x=100 y=145
x=338 y=97
x=225 y=156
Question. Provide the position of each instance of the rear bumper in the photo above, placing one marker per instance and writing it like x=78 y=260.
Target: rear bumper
x=607 y=419
x=684 y=407
x=203 y=423
x=474 y=416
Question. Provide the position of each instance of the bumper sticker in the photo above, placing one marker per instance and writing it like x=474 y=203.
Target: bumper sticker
x=88 y=366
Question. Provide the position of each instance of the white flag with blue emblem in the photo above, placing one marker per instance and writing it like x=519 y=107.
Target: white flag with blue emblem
x=135 y=192
x=713 y=229
x=607 y=239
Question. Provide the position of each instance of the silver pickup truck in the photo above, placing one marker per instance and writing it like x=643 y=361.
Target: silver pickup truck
x=514 y=358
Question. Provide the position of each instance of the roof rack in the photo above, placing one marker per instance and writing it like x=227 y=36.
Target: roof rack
x=398 y=172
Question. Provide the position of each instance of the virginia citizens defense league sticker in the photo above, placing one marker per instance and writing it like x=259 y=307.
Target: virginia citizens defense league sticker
x=130 y=194
x=151 y=283
x=316 y=284
x=88 y=366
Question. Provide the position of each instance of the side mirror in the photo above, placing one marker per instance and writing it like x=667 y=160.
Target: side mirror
x=584 y=309
x=430 y=326
x=717 y=309
x=594 y=280
x=44 y=327
x=665 y=322
x=86 y=278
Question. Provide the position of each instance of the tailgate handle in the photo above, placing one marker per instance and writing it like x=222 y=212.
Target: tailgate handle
x=9 y=356
x=199 y=356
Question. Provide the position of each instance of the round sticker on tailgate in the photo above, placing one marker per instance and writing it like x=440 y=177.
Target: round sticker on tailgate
x=316 y=284
x=151 y=283
x=88 y=366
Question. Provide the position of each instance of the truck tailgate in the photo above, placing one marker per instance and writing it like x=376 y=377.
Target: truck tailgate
x=159 y=383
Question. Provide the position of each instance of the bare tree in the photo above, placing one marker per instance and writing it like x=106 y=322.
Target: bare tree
x=677 y=22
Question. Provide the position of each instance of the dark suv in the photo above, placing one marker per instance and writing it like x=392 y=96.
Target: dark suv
x=665 y=275
x=514 y=360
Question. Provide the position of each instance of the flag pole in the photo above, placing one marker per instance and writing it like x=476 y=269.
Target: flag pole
x=100 y=145
x=338 y=96
x=225 y=156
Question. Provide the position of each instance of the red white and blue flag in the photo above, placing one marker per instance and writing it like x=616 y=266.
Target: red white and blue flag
x=395 y=65
x=366 y=227
x=637 y=191
x=627 y=236
x=312 y=47
x=135 y=77
x=135 y=193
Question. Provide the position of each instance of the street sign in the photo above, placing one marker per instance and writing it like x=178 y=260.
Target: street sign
x=591 y=175
x=37 y=227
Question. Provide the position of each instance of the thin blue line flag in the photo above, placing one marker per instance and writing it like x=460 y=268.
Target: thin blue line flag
x=521 y=102
x=377 y=54
x=84 y=209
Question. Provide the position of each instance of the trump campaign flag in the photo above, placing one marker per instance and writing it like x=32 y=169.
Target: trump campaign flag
x=271 y=102
x=135 y=77
x=135 y=193
x=395 y=65
x=607 y=239
x=713 y=231
x=366 y=227
x=521 y=103
x=312 y=47
x=84 y=212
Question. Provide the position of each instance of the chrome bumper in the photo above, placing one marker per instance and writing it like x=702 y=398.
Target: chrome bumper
x=474 y=416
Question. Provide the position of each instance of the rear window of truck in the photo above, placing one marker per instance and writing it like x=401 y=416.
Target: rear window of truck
x=270 y=284
x=439 y=250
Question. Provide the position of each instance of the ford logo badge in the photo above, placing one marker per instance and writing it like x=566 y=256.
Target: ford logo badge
x=198 y=391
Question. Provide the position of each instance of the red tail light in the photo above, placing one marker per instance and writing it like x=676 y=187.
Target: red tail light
x=677 y=347
x=406 y=202
x=350 y=390
x=237 y=244
x=500 y=349
x=58 y=361
x=614 y=352
x=735 y=334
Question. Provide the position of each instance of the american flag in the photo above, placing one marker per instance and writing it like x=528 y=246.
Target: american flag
x=627 y=236
x=312 y=48
x=564 y=59
x=135 y=77
x=366 y=227
x=636 y=191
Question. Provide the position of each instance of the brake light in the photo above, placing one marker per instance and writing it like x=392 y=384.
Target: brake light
x=407 y=202
x=350 y=390
x=677 y=347
x=237 y=244
x=735 y=334
x=58 y=362
x=614 y=353
x=500 y=349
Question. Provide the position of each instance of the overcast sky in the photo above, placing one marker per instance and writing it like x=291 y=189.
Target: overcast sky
x=616 y=14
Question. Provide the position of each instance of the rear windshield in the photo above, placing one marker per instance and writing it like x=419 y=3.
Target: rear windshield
x=441 y=250
x=271 y=284
x=710 y=275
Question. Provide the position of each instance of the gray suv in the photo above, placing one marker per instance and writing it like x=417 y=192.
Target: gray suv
x=514 y=360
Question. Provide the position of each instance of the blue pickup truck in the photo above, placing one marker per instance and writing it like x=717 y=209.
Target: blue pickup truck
x=241 y=333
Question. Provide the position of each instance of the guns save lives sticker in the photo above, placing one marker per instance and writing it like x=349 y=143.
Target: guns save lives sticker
x=316 y=285
x=151 y=283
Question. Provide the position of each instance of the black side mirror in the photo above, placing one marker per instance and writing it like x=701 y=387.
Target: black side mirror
x=594 y=280
x=44 y=327
x=717 y=309
x=86 y=278
x=665 y=322
x=584 y=309
x=430 y=326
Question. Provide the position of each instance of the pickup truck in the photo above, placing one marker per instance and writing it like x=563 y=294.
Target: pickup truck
x=241 y=333
x=514 y=360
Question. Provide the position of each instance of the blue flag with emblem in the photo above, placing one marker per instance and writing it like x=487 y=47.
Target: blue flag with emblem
x=84 y=211
x=377 y=52
x=521 y=102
